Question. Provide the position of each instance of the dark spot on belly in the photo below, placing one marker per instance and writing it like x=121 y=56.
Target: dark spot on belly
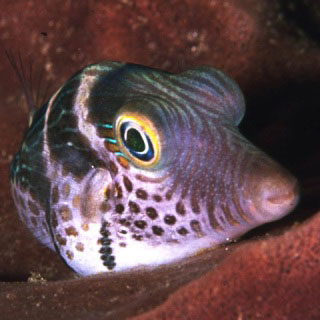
x=195 y=226
x=65 y=213
x=142 y=194
x=71 y=231
x=127 y=183
x=137 y=237
x=183 y=231
x=180 y=208
x=118 y=191
x=108 y=261
x=66 y=190
x=195 y=206
x=69 y=254
x=80 y=246
x=119 y=208
x=76 y=201
x=169 y=219
x=107 y=194
x=105 y=232
x=125 y=222
x=169 y=195
x=134 y=207
x=54 y=221
x=105 y=240
x=62 y=241
x=151 y=213
x=157 y=198
x=85 y=227
x=105 y=206
x=111 y=258
x=141 y=224
x=106 y=250
x=158 y=231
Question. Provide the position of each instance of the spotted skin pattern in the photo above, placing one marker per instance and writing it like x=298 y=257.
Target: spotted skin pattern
x=127 y=166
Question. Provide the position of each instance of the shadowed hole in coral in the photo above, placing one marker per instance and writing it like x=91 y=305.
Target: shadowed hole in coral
x=283 y=121
x=305 y=15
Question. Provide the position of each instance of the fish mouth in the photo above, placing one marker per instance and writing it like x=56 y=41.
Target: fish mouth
x=273 y=191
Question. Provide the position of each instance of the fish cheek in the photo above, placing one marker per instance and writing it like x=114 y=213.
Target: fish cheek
x=78 y=206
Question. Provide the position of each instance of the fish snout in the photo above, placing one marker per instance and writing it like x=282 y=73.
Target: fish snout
x=271 y=191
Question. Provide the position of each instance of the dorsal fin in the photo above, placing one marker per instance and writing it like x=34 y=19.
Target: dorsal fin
x=34 y=92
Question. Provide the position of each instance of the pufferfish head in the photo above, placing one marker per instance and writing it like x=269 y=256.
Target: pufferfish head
x=145 y=168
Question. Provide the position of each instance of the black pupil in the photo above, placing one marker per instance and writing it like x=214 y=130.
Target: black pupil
x=134 y=140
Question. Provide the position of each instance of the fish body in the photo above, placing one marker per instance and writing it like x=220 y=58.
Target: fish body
x=127 y=166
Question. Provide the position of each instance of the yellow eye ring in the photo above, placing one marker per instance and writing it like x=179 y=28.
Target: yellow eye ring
x=138 y=139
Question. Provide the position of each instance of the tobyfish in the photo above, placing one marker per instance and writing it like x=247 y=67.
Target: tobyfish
x=127 y=166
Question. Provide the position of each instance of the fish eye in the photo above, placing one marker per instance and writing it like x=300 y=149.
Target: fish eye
x=138 y=139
